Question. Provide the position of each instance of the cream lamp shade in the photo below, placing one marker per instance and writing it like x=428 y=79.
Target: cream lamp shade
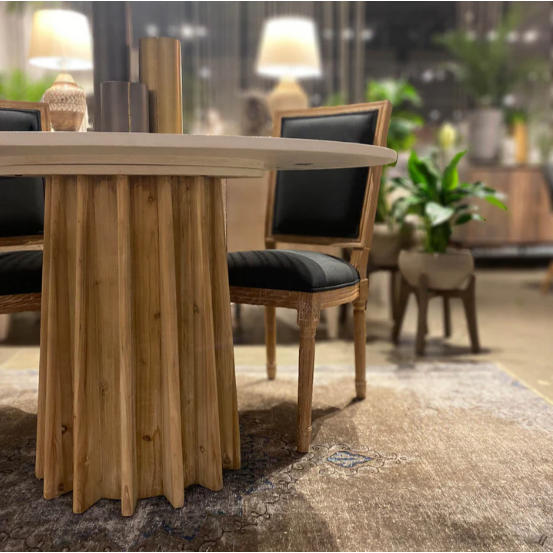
x=289 y=48
x=60 y=39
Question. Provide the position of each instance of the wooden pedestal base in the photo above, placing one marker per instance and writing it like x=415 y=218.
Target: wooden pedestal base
x=137 y=396
x=423 y=294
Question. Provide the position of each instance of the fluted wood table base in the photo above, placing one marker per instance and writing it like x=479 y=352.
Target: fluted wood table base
x=137 y=395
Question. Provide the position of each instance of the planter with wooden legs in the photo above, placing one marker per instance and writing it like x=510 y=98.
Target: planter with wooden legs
x=423 y=294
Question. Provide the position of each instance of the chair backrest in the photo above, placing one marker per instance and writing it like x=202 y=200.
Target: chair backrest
x=22 y=198
x=336 y=206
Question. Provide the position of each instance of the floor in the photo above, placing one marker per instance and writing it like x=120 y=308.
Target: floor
x=515 y=322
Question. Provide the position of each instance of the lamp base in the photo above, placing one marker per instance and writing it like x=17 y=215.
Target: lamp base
x=287 y=95
x=66 y=102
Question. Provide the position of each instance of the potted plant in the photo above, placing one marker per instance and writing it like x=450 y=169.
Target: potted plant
x=391 y=236
x=440 y=202
x=489 y=69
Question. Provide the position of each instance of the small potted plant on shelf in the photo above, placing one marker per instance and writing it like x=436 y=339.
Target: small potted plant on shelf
x=489 y=69
x=439 y=201
x=391 y=236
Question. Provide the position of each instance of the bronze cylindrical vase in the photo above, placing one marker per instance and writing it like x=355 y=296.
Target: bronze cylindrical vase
x=160 y=71
x=124 y=107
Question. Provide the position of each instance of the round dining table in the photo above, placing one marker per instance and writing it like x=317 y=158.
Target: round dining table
x=137 y=392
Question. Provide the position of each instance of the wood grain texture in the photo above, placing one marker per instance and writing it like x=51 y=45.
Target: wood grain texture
x=21 y=243
x=127 y=359
x=139 y=391
x=529 y=218
x=20 y=302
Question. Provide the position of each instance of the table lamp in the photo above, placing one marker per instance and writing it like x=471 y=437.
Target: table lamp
x=60 y=39
x=289 y=51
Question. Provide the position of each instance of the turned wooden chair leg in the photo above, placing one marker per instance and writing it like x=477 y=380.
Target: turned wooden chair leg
x=547 y=280
x=4 y=326
x=393 y=295
x=447 y=317
x=360 y=340
x=270 y=341
x=422 y=295
x=403 y=300
x=308 y=319
x=469 y=303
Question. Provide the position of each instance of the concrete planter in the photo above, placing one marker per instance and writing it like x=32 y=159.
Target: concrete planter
x=486 y=127
x=387 y=244
x=445 y=271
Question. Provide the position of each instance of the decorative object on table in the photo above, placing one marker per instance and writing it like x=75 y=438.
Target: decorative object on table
x=489 y=70
x=255 y=117
x=160 y=71
x=289 y=50
x=124 y=107
x=439 y=201
x=21 y=221
x=112 y=35
x=60 y=39
x=333 y=208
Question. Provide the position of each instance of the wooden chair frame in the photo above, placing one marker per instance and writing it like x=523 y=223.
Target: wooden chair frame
x=18 y=303
x=309 y=305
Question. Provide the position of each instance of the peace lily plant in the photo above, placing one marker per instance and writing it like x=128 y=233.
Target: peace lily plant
x=440 y=202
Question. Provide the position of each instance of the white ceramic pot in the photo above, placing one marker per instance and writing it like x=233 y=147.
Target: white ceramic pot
x=386 y=244
x=445 y=271
x=486 y=126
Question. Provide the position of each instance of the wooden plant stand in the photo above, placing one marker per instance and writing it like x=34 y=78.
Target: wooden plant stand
x=423 y=294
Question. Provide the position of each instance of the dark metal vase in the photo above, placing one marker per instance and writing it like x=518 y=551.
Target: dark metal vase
x=124 y=107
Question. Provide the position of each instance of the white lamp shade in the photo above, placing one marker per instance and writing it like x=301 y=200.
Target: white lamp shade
x=289 y=48
x=60 y=39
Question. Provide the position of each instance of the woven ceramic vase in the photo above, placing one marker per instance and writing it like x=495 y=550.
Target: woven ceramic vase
x=66 y=102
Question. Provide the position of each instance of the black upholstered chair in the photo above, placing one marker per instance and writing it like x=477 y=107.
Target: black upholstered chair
x=331 y=207
x=21 y=219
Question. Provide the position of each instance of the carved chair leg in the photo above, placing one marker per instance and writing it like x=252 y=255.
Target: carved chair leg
x=447 y=317
x=4 y=326
x=308 y=319
x=403 y=300
x=422 y=295
x=270 y=341
x=469 y=303
x=393 y=295
x=547 y=280
x=360 y=339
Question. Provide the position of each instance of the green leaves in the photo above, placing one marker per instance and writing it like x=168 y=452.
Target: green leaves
x=492 y=199
x=464 y=218
x=450 y=178
x=438 y=214
x=439 y=201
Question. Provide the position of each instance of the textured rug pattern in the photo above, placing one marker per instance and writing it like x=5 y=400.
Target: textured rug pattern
x=438 y=457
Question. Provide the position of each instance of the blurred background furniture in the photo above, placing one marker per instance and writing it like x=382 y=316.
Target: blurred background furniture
x=21 y=221
x=423 y=295
x=315 y=208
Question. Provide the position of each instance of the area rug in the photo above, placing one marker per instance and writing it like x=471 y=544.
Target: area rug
x=438 y=457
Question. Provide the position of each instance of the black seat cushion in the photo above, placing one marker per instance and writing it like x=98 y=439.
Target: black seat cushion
x=21 y=198
x=20 y=273
x=297 y=271
x=327 y=202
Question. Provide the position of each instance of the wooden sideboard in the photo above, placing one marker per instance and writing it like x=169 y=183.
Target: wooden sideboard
x=529 y=218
